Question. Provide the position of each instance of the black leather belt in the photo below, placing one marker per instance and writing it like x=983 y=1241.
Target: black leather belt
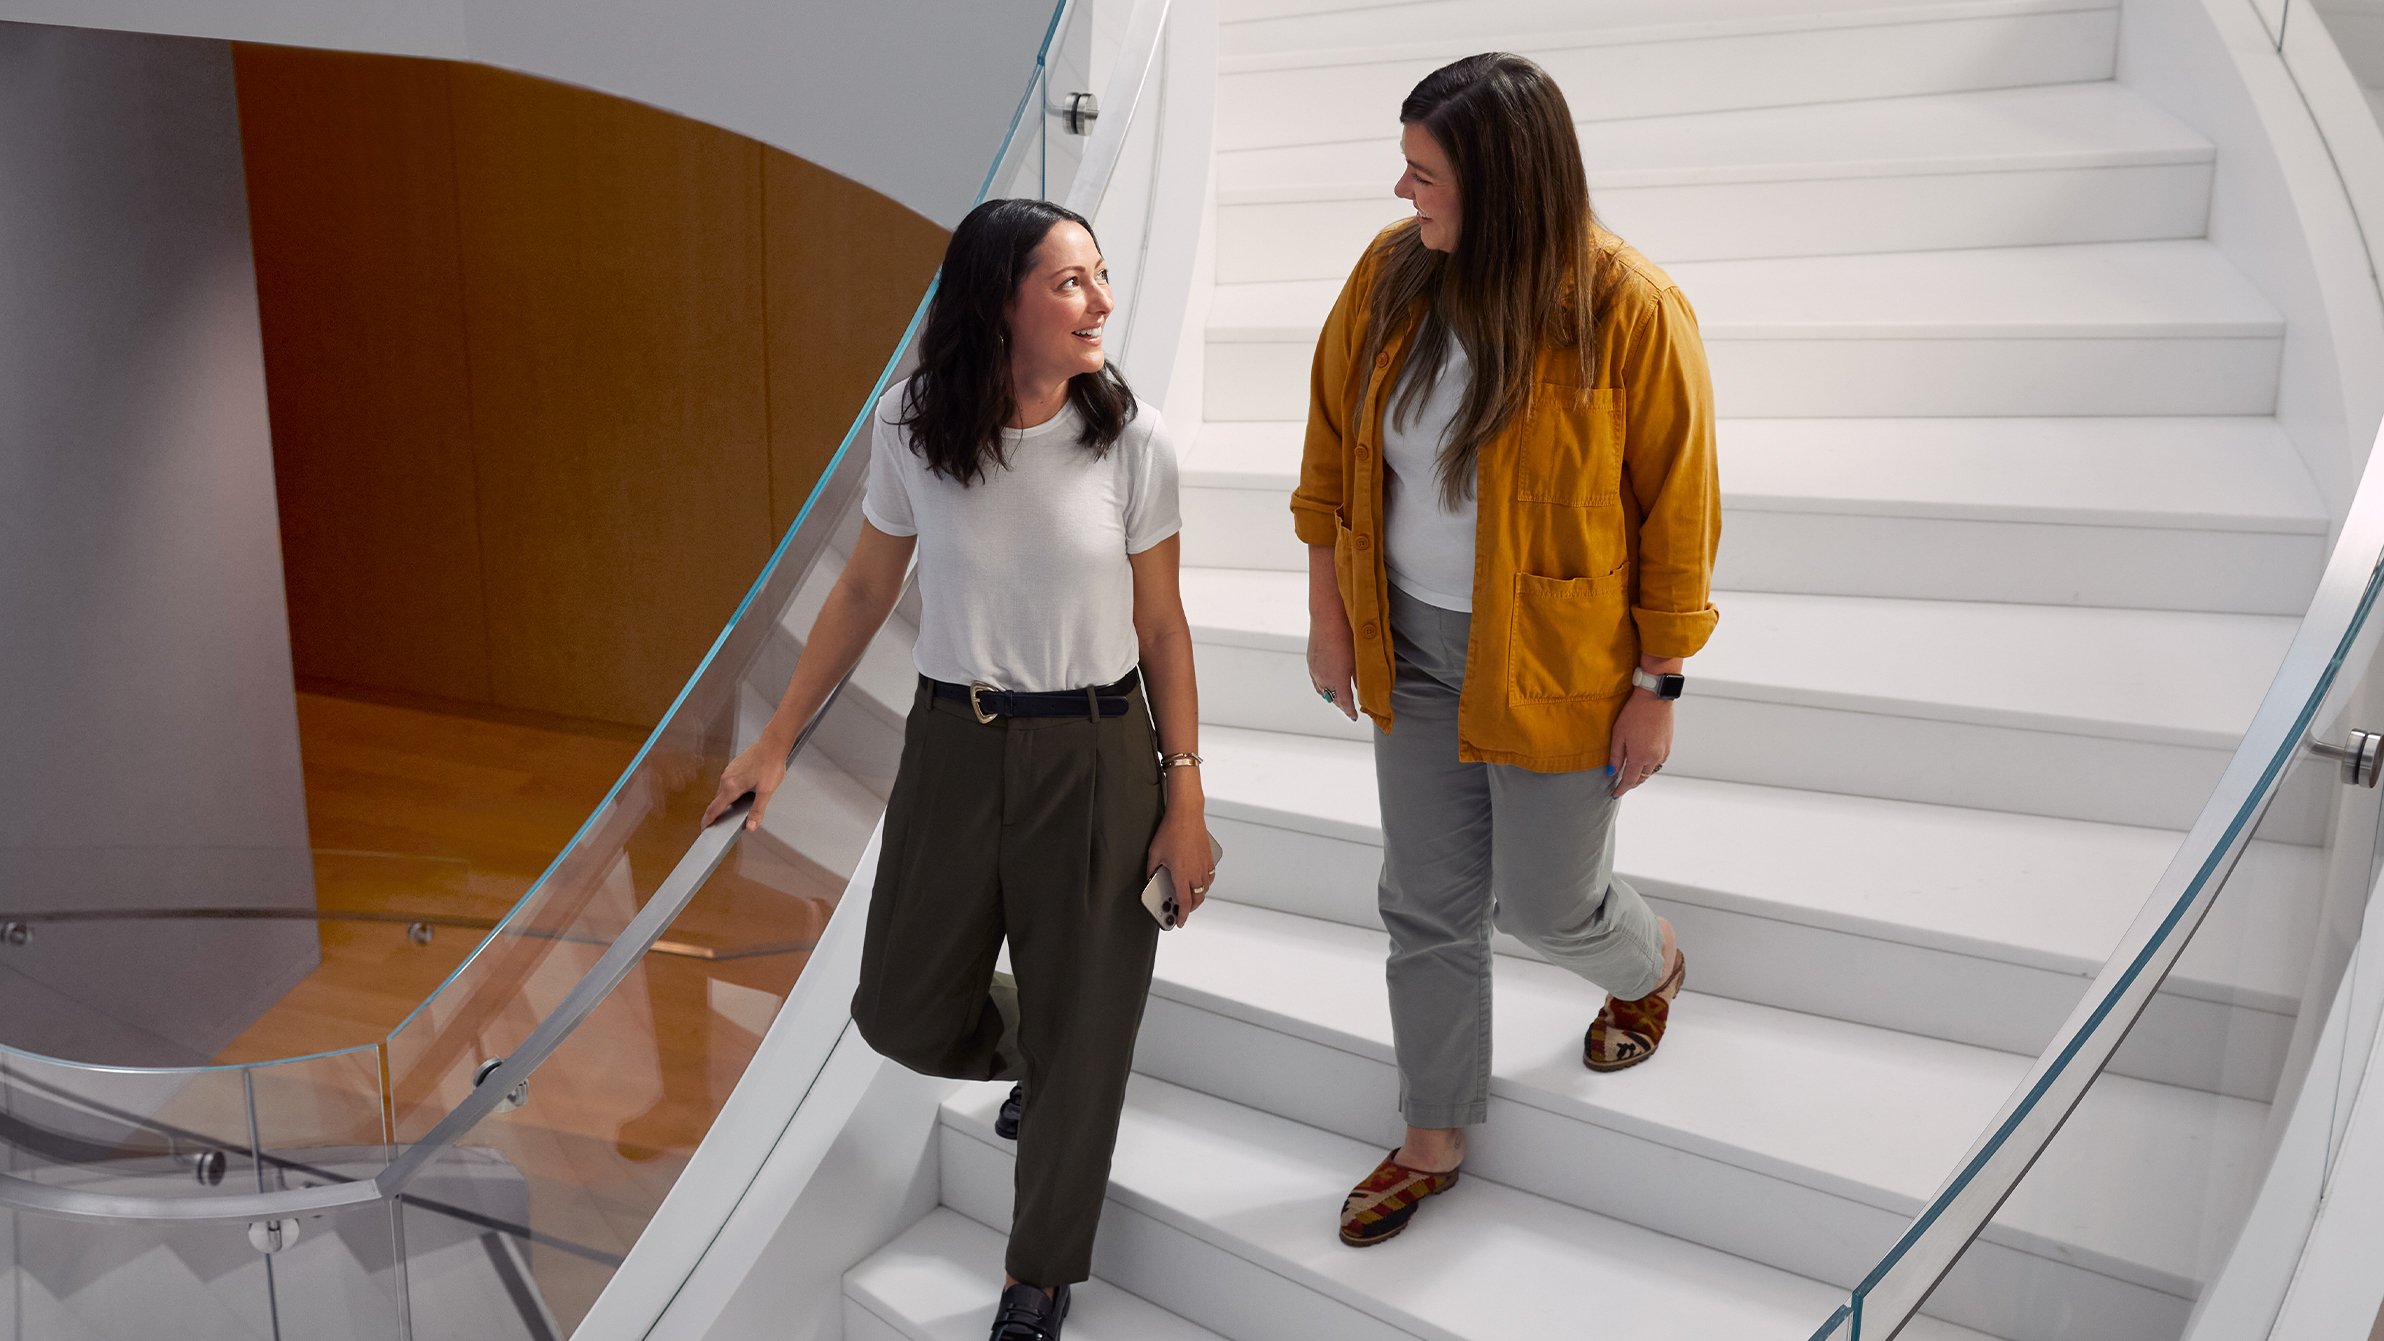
x=988 y=703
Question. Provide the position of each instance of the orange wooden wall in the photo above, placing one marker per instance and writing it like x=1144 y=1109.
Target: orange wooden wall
x=550 y=371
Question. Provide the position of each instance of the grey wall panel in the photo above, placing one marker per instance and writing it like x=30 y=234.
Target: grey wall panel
x=148 y=734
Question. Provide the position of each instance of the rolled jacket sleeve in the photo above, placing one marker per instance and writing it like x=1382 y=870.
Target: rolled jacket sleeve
x=1324 y=459
x=1671 y=474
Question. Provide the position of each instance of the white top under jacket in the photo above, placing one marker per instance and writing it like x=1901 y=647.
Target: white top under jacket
x=1427 y=549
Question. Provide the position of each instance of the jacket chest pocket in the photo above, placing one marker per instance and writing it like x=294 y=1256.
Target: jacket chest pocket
x=1571 y=452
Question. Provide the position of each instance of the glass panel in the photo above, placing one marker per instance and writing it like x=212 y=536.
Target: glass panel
x=2134 y=1206
x=475 y=1269
x=612 y=1117
x=191 y=1133
x=75 y=1278
x=2123 y=1207
x=72 y=1279
x=336 y=1275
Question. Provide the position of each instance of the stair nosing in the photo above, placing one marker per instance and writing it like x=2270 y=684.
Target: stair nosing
x=1226 y=803
x=1530 y=42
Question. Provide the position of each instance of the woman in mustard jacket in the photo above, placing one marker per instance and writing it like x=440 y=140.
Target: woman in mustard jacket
x=1508 y=493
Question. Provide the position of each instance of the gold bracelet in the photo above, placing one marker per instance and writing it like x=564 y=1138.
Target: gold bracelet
x=1180 y=761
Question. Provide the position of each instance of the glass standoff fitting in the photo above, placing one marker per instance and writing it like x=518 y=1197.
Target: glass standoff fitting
x=205 y=1165
x=15 y=933
x=1082 y=111
x=2361 y=755
x=419 y=932
x=514 y=1098
x=271 y=1236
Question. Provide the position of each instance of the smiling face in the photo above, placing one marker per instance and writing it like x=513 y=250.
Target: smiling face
x=1057 y=315
x=1430 y=183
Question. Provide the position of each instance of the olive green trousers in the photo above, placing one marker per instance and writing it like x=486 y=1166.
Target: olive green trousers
x=1034 y=829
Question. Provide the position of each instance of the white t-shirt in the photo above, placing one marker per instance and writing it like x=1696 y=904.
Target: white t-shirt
x=1427 y=549
x=1023 y=580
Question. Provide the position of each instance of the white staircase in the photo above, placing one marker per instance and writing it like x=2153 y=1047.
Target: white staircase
x=2012 y=547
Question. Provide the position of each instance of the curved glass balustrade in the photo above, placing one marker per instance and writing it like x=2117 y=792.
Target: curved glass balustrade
x=2197 y=1224
x=484 y=1169
x=2035 y=1235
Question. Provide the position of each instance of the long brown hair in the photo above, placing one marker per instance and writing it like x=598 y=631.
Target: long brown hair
x=1526 y=253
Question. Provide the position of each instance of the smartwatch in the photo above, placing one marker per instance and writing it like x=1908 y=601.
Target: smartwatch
x=1662 y=686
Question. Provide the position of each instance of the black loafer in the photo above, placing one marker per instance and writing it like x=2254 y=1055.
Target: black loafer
x=1005 y=1123
x=1028 y=1314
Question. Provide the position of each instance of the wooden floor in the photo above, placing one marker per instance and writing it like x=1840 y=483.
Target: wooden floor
x=421 y=809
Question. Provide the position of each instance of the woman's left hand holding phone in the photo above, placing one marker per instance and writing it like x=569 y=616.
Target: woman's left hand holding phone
x=1182 y=844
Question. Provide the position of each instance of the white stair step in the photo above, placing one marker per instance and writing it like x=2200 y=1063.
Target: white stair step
x=1226 y=1215
x=2128 y=328
x=1254 y=31
x=2109 y=290
x=1853 y=1131
x=2179 y=514
x=940 y=1279
x=1326 y=77
x=2126 y=716
x=1999 y=168
x=1973 y=926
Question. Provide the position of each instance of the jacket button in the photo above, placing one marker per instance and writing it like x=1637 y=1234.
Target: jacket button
x=1361 y=451
x=1372 y=630
x=1365 y=541
x=1382 y=360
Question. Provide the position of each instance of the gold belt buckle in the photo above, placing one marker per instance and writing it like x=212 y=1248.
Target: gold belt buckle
x=984 y=718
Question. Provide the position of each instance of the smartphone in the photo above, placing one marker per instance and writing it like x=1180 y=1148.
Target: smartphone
x=1159 y=894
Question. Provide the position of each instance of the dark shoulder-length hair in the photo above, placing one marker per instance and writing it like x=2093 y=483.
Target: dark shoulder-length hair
x=1527 y=251
x=957 y=402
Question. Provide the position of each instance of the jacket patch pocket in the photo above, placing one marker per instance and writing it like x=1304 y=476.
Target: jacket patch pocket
x=1571 y=449
x=1570 y=638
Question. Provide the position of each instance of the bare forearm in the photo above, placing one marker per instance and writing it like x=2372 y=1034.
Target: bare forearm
x=848 y=619
x=1175 y=706
x=1175 y=698
x=1324 y=585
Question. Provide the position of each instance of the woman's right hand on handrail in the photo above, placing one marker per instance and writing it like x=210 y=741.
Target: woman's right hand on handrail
x=864 y=594
x=759 y=770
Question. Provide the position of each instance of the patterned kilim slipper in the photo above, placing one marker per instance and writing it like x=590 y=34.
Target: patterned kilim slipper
x=1626 y=1032
x=1381 y=1206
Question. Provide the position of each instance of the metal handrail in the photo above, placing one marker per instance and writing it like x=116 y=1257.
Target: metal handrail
x=678 y=949
x=704 y=856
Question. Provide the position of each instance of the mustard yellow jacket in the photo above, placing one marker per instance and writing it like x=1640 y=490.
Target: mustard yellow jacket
x=1597 y=523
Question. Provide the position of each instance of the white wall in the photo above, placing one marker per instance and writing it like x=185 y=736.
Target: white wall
x=2279 y=212
x=910 y=97
x=876 y=1181
x=147 y=726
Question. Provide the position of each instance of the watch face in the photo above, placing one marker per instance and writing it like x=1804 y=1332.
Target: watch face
x=1668 y=686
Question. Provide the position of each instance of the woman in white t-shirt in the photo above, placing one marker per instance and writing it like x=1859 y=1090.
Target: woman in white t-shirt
x=1032 y=801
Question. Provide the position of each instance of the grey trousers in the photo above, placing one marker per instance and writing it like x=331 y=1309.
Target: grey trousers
x=1469 y=845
